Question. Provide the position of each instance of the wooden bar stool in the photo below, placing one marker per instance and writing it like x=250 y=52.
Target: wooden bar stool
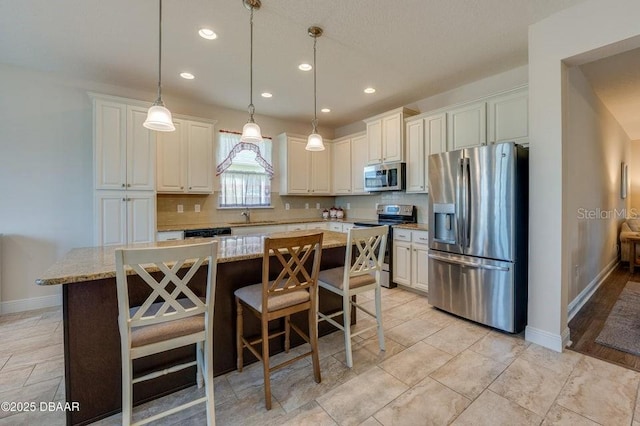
x=293 y=290
x=171 y=316
x=357 y=276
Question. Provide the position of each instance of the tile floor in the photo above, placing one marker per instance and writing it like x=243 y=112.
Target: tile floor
x=437 y=370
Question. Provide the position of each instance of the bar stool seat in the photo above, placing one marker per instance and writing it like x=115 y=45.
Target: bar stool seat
x=335 y=277
x=252 y=296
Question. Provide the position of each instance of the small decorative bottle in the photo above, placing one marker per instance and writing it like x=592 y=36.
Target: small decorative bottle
x=333 y=212
x=340 y=213
x=325 y=214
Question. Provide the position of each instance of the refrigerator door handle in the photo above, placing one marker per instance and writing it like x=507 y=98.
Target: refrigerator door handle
x=459 y=207
x=469 y=264
x=467 y=202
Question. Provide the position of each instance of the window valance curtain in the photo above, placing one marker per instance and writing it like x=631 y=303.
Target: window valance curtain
x=251 y=157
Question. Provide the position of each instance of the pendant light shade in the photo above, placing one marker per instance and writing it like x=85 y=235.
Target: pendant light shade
x=314 y=141
x=159 y=117
x=251 y=131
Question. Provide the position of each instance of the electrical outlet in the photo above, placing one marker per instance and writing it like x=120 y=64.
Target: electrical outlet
x=575 y=271
x=197 y=208
x=180 y=208
x=348 y=206
x=317 y=206
x=306 y=206
x=287 y=206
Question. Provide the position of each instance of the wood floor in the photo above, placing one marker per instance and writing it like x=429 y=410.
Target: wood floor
x=588 y=323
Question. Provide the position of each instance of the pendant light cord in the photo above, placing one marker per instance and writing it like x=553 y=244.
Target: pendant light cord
x=315 y=98
x=159 y=100
x=251 y=107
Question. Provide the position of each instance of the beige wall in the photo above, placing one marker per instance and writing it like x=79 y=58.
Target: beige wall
x=634 y=178
x=595 y=29
x=595 y=146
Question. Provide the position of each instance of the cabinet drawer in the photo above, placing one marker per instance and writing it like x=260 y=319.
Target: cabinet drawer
x=420 y=237
x=296 y=227
x=170 y=235
x=402 y=234
x=337 y=227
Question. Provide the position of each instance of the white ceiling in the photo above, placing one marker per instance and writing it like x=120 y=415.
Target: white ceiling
x=406 y=49
x=616 y=81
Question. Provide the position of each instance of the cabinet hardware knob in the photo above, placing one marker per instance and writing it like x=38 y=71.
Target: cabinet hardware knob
x=189 y=187
x=182 y=187
x=128 y=185
x=123 y=185
x=124 y=199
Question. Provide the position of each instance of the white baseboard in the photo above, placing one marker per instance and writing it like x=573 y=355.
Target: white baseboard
x=555 y=342
x=576 y=304
x=13 y=306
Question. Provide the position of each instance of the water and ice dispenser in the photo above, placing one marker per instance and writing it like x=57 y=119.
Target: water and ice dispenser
x=444 y=217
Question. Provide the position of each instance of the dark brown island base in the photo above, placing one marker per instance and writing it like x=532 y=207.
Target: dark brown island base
x=92 y=339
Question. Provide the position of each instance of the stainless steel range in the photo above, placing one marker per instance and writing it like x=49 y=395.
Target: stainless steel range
x=391 y=214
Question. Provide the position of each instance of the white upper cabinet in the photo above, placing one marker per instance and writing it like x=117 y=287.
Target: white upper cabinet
x=185 y=158
x=320 y=183
x=124 y=151
x=467 y=126
x=509 y=117
x=303 y=172
x=385 y=134
x=425 y=136
x=358 y=163
x=415 y=156
x=342 y=166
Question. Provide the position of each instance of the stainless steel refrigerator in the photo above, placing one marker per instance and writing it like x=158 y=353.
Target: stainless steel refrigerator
x=478 y=207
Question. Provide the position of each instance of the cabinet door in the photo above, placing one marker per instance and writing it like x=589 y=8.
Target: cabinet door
x=199 y=157
x=420 y=267
x=141 y=151
x=321 y=170
x=141 y=217
x=509 y=117
x=110 y=227
x=435 y=140
x=435 y=134
x=374 y=142
x=467 y=126
x=392 y=140
x=342 y=166
x=402 y=263
x=171 y=160
x=110 y=149
x=358 y=162
x=298 y=166
x=415 y=156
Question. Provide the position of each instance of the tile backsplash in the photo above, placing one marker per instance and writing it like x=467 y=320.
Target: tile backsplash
x=210 y=213
x=362 y=207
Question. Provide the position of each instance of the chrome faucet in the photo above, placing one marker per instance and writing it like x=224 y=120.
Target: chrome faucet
x=246 y=214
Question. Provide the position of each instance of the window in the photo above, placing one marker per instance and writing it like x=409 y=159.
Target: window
x=245 y=171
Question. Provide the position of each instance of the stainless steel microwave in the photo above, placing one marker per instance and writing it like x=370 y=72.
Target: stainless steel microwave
x=385 y=177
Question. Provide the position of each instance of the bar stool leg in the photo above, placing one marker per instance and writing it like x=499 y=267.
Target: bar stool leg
x=265 y=362
x=346 y=323
x=239 y=332
x=379 y=317
x=287 y=333
x=313 y=340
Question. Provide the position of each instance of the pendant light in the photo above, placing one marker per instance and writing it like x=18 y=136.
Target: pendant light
x=159 y=117
x=314 y=142
x=251 y=131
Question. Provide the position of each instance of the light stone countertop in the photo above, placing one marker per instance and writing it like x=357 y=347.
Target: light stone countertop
x=413 y=226
x=94 y=263
x=239 y=224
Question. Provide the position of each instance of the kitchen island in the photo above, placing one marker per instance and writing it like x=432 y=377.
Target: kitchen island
x=90 y=314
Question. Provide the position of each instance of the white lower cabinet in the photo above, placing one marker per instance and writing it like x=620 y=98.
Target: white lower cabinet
x=170 y=235
x=124 y=217
x=410 y=258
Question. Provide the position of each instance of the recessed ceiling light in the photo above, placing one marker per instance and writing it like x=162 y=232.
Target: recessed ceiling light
x=325 y=110
x=305 y=67
x=266 y=95
x=208 y=34
x=369 y=90
x=187 y=75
